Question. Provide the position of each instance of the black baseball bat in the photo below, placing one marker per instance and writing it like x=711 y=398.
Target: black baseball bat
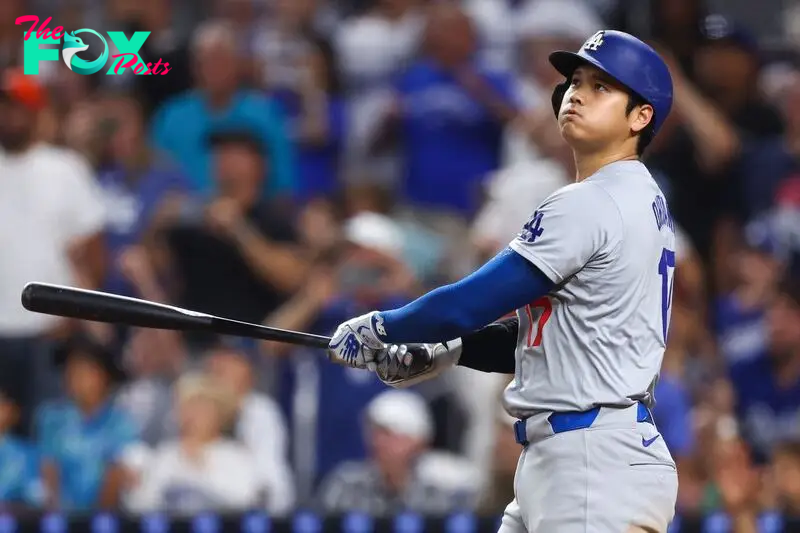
x=99 y=306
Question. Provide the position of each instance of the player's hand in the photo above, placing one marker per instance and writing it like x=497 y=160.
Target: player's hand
x=405 y=365
x=356 y=342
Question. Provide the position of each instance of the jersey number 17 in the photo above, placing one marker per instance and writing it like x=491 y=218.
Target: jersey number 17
x=666 y=269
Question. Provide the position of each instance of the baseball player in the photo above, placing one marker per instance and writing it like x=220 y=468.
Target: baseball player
x=590 y=277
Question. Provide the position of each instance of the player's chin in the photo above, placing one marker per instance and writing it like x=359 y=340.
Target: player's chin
x=571 y=130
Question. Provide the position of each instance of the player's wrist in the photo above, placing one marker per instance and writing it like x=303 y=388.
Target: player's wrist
x=452 y=348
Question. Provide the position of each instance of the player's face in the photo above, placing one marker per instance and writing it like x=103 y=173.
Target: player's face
x=593 y=114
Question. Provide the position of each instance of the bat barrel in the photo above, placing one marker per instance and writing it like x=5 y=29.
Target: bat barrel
x=115 y=309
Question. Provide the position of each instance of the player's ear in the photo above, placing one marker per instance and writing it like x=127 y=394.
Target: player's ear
x=639 y=117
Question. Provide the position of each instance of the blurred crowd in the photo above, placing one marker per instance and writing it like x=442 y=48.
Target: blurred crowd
x=306 y=161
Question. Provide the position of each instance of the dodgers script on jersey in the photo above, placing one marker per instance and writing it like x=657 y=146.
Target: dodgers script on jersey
x=598 y=338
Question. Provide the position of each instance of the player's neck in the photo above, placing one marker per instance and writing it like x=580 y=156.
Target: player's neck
x=588 y=164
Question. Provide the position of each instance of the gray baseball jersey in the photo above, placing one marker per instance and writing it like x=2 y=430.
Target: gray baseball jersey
x=608 y=243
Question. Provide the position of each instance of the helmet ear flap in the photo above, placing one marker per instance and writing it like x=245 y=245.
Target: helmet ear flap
x=558 y=96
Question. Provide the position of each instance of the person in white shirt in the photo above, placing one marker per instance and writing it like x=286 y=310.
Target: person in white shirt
x=402 y=472
x=260 y=425
x=372 y=48
x=202 y=470
x=51 y=219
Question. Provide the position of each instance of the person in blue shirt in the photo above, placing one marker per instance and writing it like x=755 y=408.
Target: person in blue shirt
x=449 y=115
x=767 y=163
x=182 y=125
x=768 y=387
x=739 y=316
x=20 y=483
x=136 y=182
x=82 y=438
x=316 y=118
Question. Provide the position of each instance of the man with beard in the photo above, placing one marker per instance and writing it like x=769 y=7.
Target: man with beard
x=51 y=217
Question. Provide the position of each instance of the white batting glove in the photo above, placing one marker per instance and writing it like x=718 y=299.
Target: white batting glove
x=355 y=343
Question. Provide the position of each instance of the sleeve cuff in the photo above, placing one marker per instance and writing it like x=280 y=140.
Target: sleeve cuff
x=546 y=269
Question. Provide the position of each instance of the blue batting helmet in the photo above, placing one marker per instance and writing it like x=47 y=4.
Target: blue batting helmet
x=628 y=60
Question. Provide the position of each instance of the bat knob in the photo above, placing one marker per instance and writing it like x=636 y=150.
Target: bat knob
x=28 y=295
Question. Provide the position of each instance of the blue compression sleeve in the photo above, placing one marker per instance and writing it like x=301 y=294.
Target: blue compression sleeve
x=507 y=282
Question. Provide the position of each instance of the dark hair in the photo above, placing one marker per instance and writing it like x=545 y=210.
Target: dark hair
x=647 y=134
x=245 y=139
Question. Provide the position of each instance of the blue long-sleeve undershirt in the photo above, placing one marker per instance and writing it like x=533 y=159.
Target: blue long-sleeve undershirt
x=505 y=283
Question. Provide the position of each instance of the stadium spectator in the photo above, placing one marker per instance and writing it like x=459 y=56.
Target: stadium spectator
x=726 y=67
x=735 y=485
x=770 y=166
x=82 y=438
x=154 y=359
x=401 y=473
x=259 y=422
x=315 y=119
x=51 y=218
x=287 y=35
x=450 y=113
x=20 y=479
x=136 y=181
x=167 y=42
x=257 y=263
x=691 y=158
x=182 y=126
x=369 y=71
x=739 y=316
x=327 y=430
x=768 y=387
x=677 y=25
x=202 y=470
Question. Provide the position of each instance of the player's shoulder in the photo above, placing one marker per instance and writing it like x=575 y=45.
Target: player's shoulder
x=585 y=197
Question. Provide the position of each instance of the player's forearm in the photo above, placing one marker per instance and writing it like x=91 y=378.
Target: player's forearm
x=492 y=348
x=502 y=285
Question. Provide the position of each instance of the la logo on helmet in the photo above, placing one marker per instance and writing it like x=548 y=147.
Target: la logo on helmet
x=595 y=41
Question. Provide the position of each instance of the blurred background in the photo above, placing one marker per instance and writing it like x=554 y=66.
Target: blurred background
x=306 y=161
